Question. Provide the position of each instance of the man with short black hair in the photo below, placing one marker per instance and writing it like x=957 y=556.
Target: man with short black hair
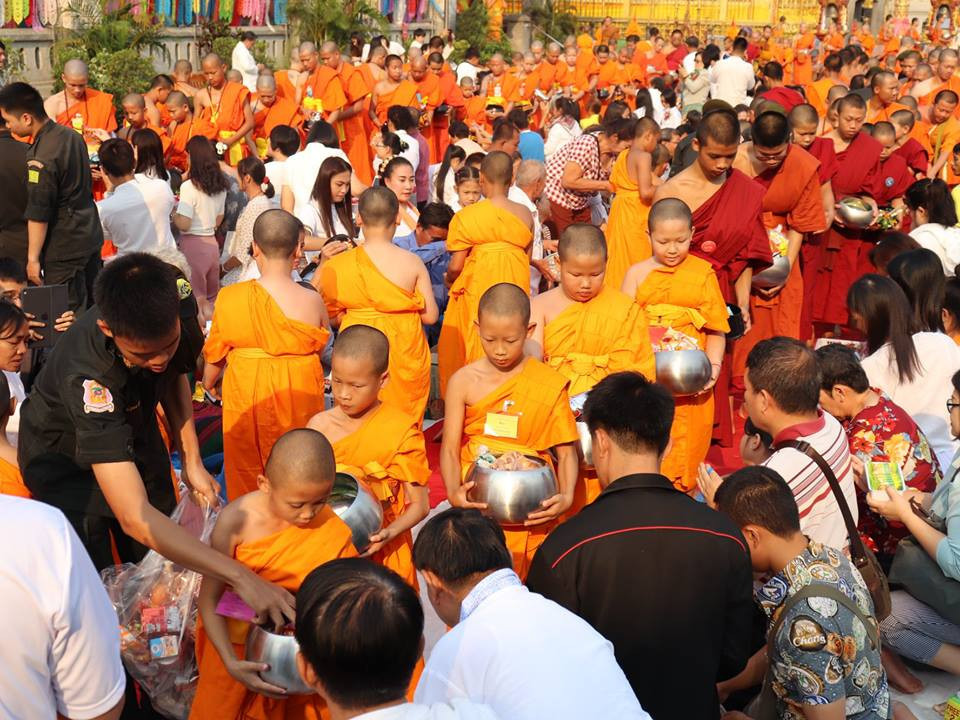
x=815 y=594
x=470 y=66
x=360 y=632
x=429 y=242
x=521 y=654
x=732 y=78
x=689 y=569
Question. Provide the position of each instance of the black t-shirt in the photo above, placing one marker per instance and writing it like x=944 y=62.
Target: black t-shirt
x=13 y=198
x=87 y=406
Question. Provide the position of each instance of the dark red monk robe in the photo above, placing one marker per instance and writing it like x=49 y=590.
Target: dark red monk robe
x=822 y=150
x=916 y=156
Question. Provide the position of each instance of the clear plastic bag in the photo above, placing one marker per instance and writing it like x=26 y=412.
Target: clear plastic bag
x=156 y=604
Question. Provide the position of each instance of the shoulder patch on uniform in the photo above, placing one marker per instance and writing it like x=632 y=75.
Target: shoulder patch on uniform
x=183 y=288
x=35 y=164
x=96 y=398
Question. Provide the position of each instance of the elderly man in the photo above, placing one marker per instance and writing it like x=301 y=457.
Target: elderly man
x=243 y=61
x=78 y=105
x=529 y=184
x=270 y=110
x=523 y=655
x=640 y=527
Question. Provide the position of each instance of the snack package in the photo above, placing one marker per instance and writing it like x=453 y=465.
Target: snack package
x=881 y=474
x=156 y=605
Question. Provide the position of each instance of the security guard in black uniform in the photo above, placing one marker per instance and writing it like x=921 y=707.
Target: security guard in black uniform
x=89 y=439
x=63 y=227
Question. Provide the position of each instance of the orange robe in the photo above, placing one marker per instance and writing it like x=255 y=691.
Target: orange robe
x=96 y=109
x=273 y=380
x=265 y=119
x=817 y=94
x=588 y=341
x=506 y=86
x=324 y=85
x=627 y=239
x=452 y=97
x=387 y=451
x=429 y=97
x=284 y=558
x=176 y=155
x=942 y=138
x=404 y=94
x=11 y=481
x=539 y=397
x=475 y=111
x=496 y=242
x=686 y=298
x=161 y=133
x=792 y=201
x=834 y=41
x=352 y=284
x=883 y=114
x=165 y=118
x=356 y=141
x=227 y=118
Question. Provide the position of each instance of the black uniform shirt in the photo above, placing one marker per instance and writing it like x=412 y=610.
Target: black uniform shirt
x=13 y=197
x=59 y=192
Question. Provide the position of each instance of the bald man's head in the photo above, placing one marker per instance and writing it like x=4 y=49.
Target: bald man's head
x=770 y=130
x=134 y=100
x=582 y=239
x=299 y=456
x=505 y=300
x=362 y=342
x=669 y=209
x=307 y=47
x=803 y=115
x=76 y=68
x=177 y=99
x=497 y=169
x=266 y=83
x=277 y=234
x=418 y=68
x=378 y=207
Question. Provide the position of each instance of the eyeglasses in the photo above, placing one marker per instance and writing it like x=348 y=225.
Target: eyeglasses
x=951 y=406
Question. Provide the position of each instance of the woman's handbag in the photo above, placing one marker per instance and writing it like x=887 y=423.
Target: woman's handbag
x=865 y=561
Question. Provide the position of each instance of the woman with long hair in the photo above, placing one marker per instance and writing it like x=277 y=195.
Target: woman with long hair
x=148 y=151
x=443 y=186
x=933 y=217
x=951 y=309
x=644 y=104
x=202 y=200
x=399 y=177
x=239 y=265
x=330 y=212
x=562 y=126
x=919 y=273
x=912 y=367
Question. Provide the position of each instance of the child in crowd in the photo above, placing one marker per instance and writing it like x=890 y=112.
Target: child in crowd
x=756 y=445
x=466 y=183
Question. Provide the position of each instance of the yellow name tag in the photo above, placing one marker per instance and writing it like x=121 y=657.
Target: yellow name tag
x=33 y=176
x=502 y=425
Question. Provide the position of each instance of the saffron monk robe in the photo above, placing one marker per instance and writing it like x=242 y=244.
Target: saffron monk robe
x=183 y=126
x=226 y=106
x=323 y=93
x=681 y=298
x=270 y=110
x=427 y=100
x=728 y=228
x=356 y=140
x=452 y=98
x=269 y=333
x=80 y=106
x=509 y=402
x=792 y=206
x=632 y=181
x=388 y=288
x=489 y=243
x=282 y=530
x=897 y=176
x=586 y=330
x=395 y=90
x=135 y=118
x=377 y=443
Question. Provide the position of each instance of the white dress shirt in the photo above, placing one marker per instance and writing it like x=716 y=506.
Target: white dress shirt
x=456 y=710
x=466 y=69
x=242 y=60
x=61 y=641
x=731 y=79
x=944 y=241
x=302 y=169
x=528 y=658
x=536 y=253
x=136 y=215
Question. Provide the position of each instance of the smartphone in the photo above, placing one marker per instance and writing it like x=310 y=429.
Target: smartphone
x=46 y=303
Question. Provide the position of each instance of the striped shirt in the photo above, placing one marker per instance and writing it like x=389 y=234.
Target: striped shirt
x=820 y=517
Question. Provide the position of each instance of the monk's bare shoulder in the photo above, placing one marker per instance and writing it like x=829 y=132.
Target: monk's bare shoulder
x=636 y=275
x=242 y=520
x=546 y=306
x=521 y=211
x=672 y=188
x=322 y=423
x=54 y=105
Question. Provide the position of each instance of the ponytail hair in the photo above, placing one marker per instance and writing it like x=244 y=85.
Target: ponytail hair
x=934 y=197
x=252 y=168
x=454 y=152
x=392 y=140
x=466 y=174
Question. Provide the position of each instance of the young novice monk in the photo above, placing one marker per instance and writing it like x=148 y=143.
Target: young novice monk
x=489 y=243
x=281 y=531
x=680 y=294
x=586 y=329
x=184 y=125
x=269 y=333
x=506 y=401
x=379 y=441
x=386 y=287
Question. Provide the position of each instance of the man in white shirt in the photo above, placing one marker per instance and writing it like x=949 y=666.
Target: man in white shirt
x=470 y=66
x=733 y=77
x=135 y=213
x=362 y=669
x=300 y=174
x=243 y=61
x=689 y=60
x=525 y=656
x=530 y=183
x=61 y=641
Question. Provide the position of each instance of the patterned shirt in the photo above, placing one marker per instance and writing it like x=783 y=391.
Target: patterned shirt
x=822 y=653
x=884 y=432
x=585 y=152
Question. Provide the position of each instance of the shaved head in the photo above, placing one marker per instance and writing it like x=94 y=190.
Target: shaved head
x=669 y=209
x=646 y=125
x=211 y=59
x=76 y=68
x=307 y=47
x=880 y=78
x=804 y=115
x=330 y=47
x=301 y=455
x=582 y=239
x=497 y=168
x=554 y=47
x=853 y=101
x=378 y=207
x=835 y=93
x=883 y=130
x=377 y=51
x=135 y=99
x=770 y=130
x=530 y=173
x=266 y=82
x=176 y=99
x=418 y=64
x=904 y=118
x=721 y=127
x=505 y=300
x=277 y=234
x=362 y=342
x=182 y=67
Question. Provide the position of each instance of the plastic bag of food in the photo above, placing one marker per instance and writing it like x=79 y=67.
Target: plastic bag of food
x=156 y=604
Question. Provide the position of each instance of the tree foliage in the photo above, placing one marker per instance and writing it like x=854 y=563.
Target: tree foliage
x=553 y=20
x=321 y=20
x=473 y=25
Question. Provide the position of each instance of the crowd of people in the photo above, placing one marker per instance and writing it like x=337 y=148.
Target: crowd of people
x=316 y=266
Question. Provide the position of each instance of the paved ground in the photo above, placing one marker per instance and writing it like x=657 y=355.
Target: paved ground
x=938 y=686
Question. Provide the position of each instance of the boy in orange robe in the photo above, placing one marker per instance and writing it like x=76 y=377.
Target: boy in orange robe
x=269 y=333
x=378 y=442
x=680 y=294
x=323 y=93
x=78 y=105
x=475 y=105
x=135 y=116
x=792 y=204
x=11 y=482
x=183 y=126
x=270 y=110
x=156 y=100
x=281 y=531
x=355 y=139
x=489 y=243
x=452 y=97
x=388 y=288
x=427 y=99
x=586 y=330
x=395 y=90
x=226 y=106
x=506 y=401
x=633 y=185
